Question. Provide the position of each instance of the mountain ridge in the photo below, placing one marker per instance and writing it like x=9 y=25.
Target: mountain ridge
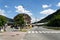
x=49 y=17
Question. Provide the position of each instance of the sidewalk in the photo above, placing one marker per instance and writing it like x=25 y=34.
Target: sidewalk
x=12 y=35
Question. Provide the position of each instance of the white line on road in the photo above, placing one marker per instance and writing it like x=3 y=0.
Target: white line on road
x=36 y=31
x=43 y=32
x=29 y=31
x=32 y=31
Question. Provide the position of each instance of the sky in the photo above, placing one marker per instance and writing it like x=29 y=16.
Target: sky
x=36 y=9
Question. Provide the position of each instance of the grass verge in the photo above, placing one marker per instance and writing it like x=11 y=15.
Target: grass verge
x=23 y=30
x=54 y=28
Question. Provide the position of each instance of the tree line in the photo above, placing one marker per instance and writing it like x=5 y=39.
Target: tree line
x=18 y=21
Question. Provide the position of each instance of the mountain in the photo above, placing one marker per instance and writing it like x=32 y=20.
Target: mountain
x=9 y=19
x=49 y=17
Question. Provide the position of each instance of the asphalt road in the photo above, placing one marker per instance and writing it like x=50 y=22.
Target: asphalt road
x=34 y=34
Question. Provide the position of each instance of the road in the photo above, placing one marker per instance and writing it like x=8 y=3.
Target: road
x=34 y=34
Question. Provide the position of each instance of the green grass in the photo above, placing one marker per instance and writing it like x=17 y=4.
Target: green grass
x=54 y=28
x=23 y=30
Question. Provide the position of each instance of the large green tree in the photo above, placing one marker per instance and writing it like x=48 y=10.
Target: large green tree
x=3 y=20
x=19 y=20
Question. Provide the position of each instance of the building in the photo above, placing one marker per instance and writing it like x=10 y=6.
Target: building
x=27 y=19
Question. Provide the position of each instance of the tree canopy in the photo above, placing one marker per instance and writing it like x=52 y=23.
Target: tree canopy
x=19 y=20
x=3 y=20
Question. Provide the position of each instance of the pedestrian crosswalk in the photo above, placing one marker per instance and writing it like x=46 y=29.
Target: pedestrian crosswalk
x=34 y=32
x=43 y=32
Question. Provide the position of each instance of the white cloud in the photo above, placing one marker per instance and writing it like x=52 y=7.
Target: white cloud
x=46 y=6
x=21 y=9
x=48 y=11
x=6 y=6
x=2 y=12
x=35 y=19
x=42 y=17
x=58 y=4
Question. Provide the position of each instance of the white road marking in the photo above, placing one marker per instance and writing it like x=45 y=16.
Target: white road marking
x=32 y=31
x=43 y=32
x=29 y=31
x=36 y=31
x=40 y=32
